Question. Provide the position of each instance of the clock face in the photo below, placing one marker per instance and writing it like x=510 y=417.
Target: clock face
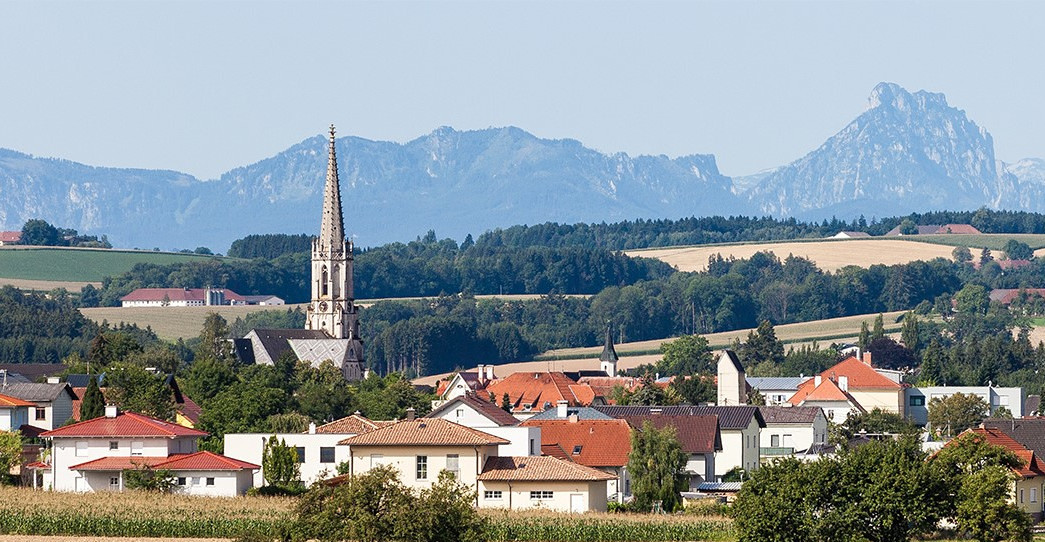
x=322 y=306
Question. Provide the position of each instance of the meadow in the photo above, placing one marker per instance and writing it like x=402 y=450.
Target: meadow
x=829 y=255
x=993 y=241
x=139 y=514
x=78 y=265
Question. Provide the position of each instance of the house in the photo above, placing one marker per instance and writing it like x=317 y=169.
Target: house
x=776 y=390
x=268 y=300
x=830 y=396
x=464 y=382
x=533 y=392
x=181 y=297
x=53 y=402
x=420 y=449
x=10 y=238
x=858 y=382
x=739 y=428
x=937 y=229
x=471 y=410
x=14 y=412
x=700 y=438
x=731 y=383
x=791 y=431
x=918 y=399
x=93 y=455
x=1029 y=480
x=1006 y=296
x=600 y=444
x=549 y=483
x=851 y=235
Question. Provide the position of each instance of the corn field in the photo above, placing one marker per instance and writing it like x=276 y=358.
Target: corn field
x=550 y=526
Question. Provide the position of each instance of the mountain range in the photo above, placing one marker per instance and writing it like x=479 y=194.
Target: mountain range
x=907 y=152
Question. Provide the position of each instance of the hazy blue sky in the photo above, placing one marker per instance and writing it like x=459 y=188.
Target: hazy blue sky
x=203 y=87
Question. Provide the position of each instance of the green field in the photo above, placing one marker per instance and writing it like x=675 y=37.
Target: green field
x=993 y=241
x=79 y=265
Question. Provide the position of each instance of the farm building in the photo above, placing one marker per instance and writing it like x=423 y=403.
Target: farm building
x=10 y=238
x=937 y=229
x=181 y=297
x=851 y=235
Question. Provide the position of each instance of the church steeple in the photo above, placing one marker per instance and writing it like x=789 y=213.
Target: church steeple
x=332 y=228
x=333 y=309
x=608 y=359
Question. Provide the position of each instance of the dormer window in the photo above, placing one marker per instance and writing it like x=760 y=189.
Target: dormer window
x=577 y=449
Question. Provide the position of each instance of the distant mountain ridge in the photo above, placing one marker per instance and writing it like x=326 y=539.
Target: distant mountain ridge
x=907 y=152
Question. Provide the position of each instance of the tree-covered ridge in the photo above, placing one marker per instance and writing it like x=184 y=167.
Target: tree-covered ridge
x=39 y=328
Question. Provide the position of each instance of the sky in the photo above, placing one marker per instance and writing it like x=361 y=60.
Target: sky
x=204 y=87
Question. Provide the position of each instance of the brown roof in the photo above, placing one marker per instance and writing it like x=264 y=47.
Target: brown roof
x=696 y=434
x=535 y=391
x=539 y=468
x=554 y=450
x=789 y=414
x=424 y=432
x=595 y=443
x=176 y=294
x=354 y=424
x=491 y=411
x=125 y=424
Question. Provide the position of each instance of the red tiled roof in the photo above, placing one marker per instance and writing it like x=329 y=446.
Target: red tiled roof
x=554 y=450
x=205 y=461
x=118 y=463
x=531 y=391
x=541 y=468
x=1008 y=295
x=10 y=236
x=353 y=424
x=38 y=465
x=1031 y=466
x=176 y=294
x=603 y=385
x=125 y=424
x=860 y=375
x=424 y=432
x=8 y=401
x=827 y=391
x=603 y=443
x=190 y=409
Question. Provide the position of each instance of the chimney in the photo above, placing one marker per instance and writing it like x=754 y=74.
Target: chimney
x=843 y=383
x=489 y=372
x=560 y=409
x=655 y=411
x=480 y=371
x=867 y=358
x=411 y=414
x=573 y=418
x=111 y=411
x=312 y=428
x=817 y=380
x=54 y=380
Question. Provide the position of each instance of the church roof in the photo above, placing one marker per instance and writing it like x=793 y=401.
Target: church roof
x=608 y=353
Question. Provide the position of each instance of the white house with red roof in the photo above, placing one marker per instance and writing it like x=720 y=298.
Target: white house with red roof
x=850 y=386
x=14 y=412
x=93 y=455
x=10 y=238
x=181 y=297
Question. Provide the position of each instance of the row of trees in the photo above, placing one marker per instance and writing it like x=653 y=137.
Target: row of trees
x=40 y=233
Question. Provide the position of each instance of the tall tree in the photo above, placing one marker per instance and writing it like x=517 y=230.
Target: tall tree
x=39 y=232
x=280 y=463
x=878 y=331
x=132 y=388
x=656 y=464
x=93 y=404
x=686 y=355
x=762 y=345
x=909 y=333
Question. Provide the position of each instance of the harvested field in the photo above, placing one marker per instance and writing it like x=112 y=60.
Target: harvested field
x=829 y=255
x=173 y=323
x=795 y=335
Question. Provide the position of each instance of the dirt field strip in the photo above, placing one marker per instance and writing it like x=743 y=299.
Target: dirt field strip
x=829 y=255
x=46 y=285
x=36 y=538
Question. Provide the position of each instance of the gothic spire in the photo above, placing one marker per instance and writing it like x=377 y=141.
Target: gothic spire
x=608 y=353
x=332 y=230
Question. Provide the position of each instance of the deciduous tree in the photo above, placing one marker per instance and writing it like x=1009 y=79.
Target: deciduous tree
x=656 y=464
x=956 y=413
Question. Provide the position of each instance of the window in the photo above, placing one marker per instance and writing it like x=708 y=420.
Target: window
x=774 y=441
x=532 y=447
x=917 y=400
x=41 y=413
x=181 y=480
x=195 y=480
x=114 y=483
x=210 y=481
x=787 y=441
x=459 y=413
x=81 y=449
x=422 y=467
x=577 y=449
x=301 y=453
x=1033 y=494
x=492 y=495
x=326 y=454
x=137 y=448
x=113 y=445
x=541 y=495
x=1021 y=496
x=453 y=466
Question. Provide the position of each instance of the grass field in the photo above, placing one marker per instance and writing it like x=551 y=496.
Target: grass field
x=993 y=241
x=829 y=255
x=79 y=265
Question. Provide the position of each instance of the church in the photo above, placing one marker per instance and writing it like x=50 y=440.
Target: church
x=332 y=318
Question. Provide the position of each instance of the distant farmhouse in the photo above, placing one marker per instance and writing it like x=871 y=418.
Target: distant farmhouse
x=10 y=238
x=936 y=229
x=193 y=297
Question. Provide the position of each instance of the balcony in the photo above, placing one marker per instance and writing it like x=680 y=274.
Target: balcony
x=776 y=451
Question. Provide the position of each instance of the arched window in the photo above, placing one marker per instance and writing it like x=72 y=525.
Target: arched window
x=324 y=288
x=337 y=281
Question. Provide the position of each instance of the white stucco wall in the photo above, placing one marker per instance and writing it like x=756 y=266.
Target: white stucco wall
x=516 y=495
x=64 y=455
x=250 y=447
x=470 y=461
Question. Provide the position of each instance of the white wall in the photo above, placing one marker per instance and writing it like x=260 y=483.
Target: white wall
x=64 y=454
x=250 y=447
x=226 y=483
x=516 y=495
x=470 y=461
x=739 y=449
x=1010 y=398
x=56 y=413
x=13 y=417
x=802 y=436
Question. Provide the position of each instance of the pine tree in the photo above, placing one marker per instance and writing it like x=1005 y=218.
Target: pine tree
x=909 y=335
x=878 y=331
x=93 y=404
x=865 y=336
